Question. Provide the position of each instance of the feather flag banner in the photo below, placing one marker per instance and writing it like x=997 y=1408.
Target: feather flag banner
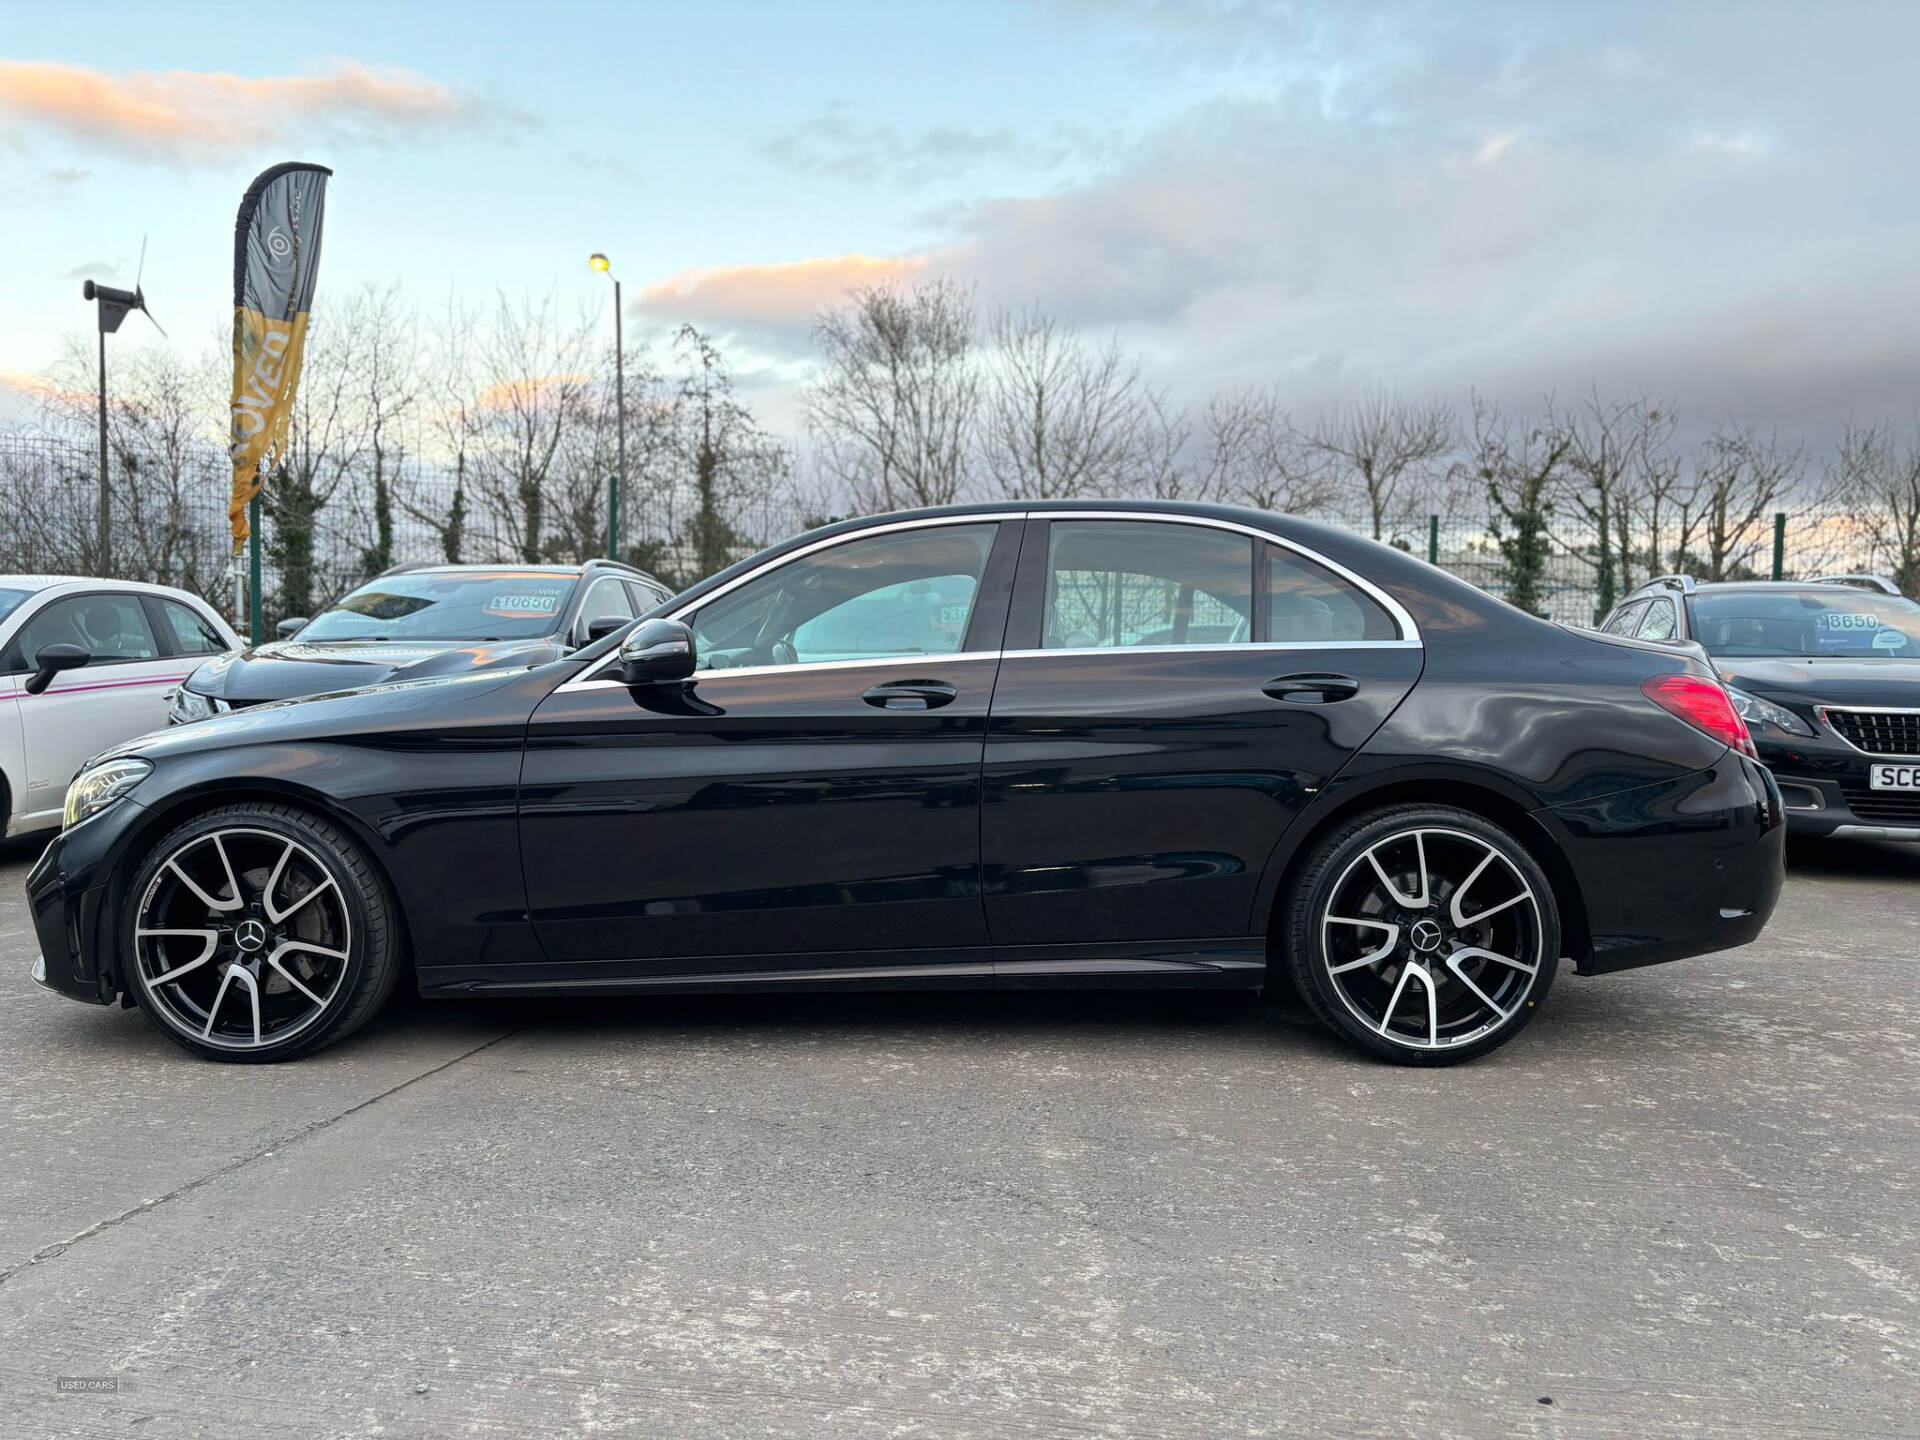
x=276 y=259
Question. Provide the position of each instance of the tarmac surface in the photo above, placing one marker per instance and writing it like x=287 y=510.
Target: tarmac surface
x=1685 y=1202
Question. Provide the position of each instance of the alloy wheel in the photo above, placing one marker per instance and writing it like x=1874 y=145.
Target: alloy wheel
x=242 y=938
x=1432 y=938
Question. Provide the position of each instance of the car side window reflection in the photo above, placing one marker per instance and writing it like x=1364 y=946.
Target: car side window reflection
x=192 y=635
x=109 y=627
x=1119 y=583
x=1658 y=623
x=1626 y=618
x=609 y=599
x=909 y=593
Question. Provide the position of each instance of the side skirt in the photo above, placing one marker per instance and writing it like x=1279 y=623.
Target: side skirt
x=1165 y=964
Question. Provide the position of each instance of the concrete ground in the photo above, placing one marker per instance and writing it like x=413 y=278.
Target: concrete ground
x=1686 y=1202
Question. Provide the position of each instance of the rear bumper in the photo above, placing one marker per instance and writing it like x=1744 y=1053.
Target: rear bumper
x=1676 y=869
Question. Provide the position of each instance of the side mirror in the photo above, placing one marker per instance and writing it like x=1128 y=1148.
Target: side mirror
x=602 y=626
x=656 y=651
x=290 y=627
x=52 y=659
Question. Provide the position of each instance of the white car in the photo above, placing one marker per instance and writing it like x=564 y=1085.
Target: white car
x=119 y=648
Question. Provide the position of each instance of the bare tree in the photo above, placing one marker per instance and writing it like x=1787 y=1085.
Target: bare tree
x=1390 y=447
x=1740 y=479
x=451 y=427
x=389 y=385
x=1878 y=478
x=163 y=456
x=1618 y=457
x=1059 y=418
x=533 y=374
x=891 y=409
x=1251 y=454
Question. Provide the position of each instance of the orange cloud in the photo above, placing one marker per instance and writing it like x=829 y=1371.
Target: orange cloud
x=774 y=296
x=42 y=391
x=525 y=391
x=185 y=115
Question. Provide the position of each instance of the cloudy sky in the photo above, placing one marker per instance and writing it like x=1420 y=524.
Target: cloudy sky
x=1712 y=202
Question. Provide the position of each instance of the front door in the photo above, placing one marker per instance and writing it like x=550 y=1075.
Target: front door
x=812 y=791
x=1173 y=694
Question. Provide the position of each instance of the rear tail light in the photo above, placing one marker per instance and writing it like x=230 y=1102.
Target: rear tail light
x=1703 y=704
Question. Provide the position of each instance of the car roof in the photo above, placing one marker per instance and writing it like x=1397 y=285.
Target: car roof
x=1817 y=587
x=36 y=583
x=507 y=567
x=513 y=567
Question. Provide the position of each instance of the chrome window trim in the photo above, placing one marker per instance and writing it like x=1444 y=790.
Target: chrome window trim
x=1226 y=647
x=1409 y=638
x=897 y=662
x=1824 y=710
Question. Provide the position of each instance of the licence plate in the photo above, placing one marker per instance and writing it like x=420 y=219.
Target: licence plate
x=1894 y=777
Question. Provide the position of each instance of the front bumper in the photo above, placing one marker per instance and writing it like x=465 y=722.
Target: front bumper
x=1823 y=784
x=73 y=908
x=1680 y=868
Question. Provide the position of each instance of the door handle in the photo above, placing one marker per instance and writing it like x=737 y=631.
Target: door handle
x=911 y=695
x=1312 y=688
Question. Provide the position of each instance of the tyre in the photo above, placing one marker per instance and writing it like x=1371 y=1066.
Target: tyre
x=1423 y=934
x=259 y=933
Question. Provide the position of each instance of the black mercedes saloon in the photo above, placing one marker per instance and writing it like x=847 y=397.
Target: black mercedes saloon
x=1112 y=744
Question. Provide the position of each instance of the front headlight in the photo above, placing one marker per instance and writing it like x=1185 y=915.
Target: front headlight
x=1757 y=712
x=189 y=706
x=98 y=786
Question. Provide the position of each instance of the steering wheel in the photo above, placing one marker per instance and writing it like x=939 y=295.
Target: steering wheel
x=783 y=653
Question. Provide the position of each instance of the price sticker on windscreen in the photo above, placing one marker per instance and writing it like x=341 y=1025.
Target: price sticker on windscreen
x=521 y=604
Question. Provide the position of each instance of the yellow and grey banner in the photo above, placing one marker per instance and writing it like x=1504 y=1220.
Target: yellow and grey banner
x=276 y=258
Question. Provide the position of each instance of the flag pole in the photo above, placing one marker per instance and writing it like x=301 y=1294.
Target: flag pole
x=255 y=620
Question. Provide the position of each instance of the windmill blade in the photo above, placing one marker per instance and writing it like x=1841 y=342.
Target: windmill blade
x=140 y=295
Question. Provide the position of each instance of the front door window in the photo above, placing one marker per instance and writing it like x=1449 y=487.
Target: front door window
x=887 y=597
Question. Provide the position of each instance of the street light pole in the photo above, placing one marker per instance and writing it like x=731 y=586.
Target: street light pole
x=100 y=548
x=619 y=424
x=618 y=478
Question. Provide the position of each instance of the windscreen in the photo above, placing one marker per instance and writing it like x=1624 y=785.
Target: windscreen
x=1807 y=624
x=11 y=598
x=484 y=605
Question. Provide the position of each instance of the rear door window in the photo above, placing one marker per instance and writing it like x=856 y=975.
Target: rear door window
x=191 y=632
x=1120 y=584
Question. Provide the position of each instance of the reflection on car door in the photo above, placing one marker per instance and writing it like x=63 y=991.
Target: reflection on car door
x=1171 y=696
x=120 y=693
x=788 y=801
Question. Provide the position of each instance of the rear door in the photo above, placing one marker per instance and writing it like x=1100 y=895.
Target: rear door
x=1173 y=694
x=120 y=693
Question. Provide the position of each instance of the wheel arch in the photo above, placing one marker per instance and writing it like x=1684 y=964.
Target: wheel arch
x=182 y=805
x=1488 y=801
